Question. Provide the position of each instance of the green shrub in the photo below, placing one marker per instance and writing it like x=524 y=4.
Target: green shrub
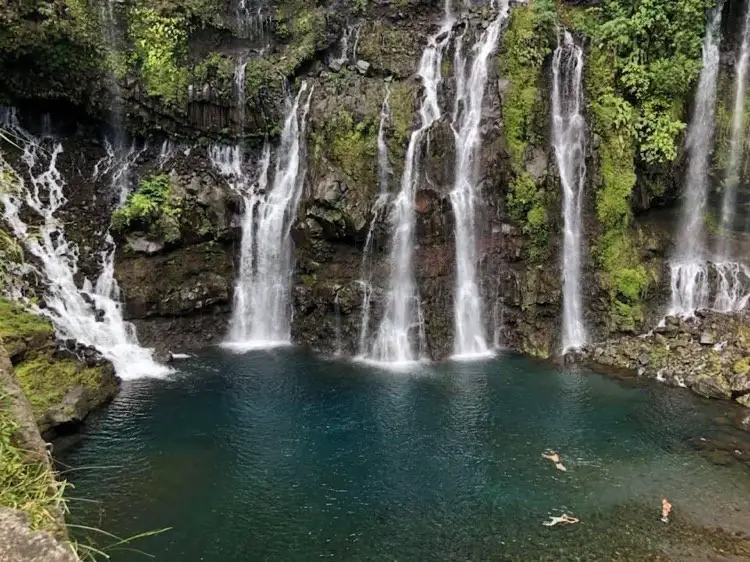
x=151 y=208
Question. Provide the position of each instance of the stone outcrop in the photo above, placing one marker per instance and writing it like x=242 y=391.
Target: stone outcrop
x=710 y=354
x=177 y=278
x=18 y=543
x=63 y=381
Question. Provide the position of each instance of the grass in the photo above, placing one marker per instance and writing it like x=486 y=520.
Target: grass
x=25 y=483
x=45 y=379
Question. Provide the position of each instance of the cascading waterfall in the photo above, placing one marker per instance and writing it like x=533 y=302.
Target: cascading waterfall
x=569 y=141
x=402 y=315
x=384 y=173
x=91 y=315
x=689 y=269
x=732 y=179
x=470 y=340
x=262 y=311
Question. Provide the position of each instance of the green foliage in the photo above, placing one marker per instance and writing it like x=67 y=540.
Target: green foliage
x=152 y=208
x=49 y=49
x=46 y=379
x=654 y=49
x=613 y=120
x=352 y=146
x=526 y=205
x=624 y=277
x=401 y=103
x=160 y=49
x=18 y=326
x=525 y=45
x=25 y=483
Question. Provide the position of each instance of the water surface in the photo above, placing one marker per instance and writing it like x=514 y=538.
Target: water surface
x=282 y=456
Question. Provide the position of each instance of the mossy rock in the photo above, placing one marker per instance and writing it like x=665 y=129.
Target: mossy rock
x=45 y=374
x=21 y=330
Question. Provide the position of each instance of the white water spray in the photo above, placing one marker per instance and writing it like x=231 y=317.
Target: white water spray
x=394 y=342
x=384 y=173
x=689 y=269
x=91 y=315
x=569 y=140
x=736 y=144
x=261 y=316
x=470 y=340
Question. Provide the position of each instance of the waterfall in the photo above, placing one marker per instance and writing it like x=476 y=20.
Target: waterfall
x=92 y=315
x=733 y=286
x=337 y=312
x=402 y=314
x=261 y=315
x=384 y=173
x=239 y=84
x=569 y=140
x=732 y=179
x=470 y=340
x=689 y=270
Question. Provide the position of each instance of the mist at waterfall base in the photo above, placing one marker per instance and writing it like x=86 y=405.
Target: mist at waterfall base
x=284 y=456
x=695 y=264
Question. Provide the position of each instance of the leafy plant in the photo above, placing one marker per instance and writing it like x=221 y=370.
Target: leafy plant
x=153 y=208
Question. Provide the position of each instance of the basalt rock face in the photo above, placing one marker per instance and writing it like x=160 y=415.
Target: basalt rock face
x=177 y=286
x=710 y=354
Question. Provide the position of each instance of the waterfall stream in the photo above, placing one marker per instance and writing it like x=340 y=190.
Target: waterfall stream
x=384 y=174
x=394 y=344
x=736 y=145
x=689 y=268
x=470 y=340
x=92 y=313
x=261 y=315
x=569 y=140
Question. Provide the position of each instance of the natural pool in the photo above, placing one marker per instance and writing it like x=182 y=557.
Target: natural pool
x=283 y=456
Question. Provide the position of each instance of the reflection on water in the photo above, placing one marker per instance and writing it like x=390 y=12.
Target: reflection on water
x=283 y=456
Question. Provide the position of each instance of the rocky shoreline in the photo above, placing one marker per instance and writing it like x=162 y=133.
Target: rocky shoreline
x=708 y=353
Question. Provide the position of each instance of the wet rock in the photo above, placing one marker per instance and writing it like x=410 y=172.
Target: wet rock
x=18 y=543
x=707 y=338
x=144 y=245
x=72 y=409
x=363 y=67
x=711 y=387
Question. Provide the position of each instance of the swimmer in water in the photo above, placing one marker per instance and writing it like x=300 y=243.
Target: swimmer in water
x=666 y=508
x=552 y=456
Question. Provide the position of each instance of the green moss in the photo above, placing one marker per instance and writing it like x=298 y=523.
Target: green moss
x=525 y=45
x=353 y=146
x=46 y=379
x=623 y=277
x=390 y=47
x=153 y=208
x=160 y=50
x=401 y=103
x=25 y=483
x=741 y=367
x=18 y=326
x=658 y=356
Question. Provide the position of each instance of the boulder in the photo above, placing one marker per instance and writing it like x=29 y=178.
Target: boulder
x=711 y=386
x=18 y=543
